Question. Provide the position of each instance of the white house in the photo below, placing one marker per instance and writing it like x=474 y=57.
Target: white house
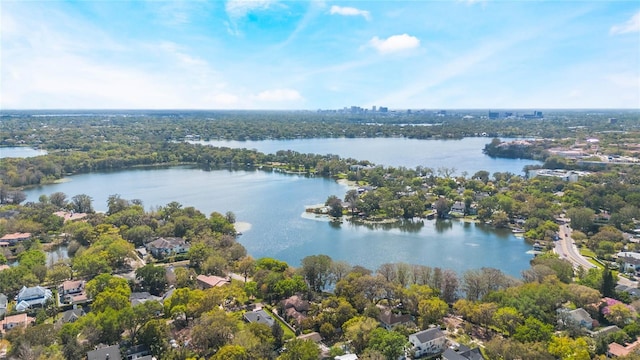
x=629 y=261
x=428 y=342
x=32 y=296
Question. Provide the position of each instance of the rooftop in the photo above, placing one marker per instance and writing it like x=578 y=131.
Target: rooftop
x=429 y=334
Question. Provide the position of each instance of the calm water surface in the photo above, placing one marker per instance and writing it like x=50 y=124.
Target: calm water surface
x=463 y=155
x=273 y=204
x=20 y=152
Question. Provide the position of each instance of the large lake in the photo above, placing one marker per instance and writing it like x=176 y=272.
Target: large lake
x=20 y=152
x=273 y=203
x=463 y=155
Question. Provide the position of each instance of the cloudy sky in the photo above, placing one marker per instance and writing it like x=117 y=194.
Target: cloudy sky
x=267 y=54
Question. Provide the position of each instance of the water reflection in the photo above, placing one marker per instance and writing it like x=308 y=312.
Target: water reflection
x=443 y=225
x=405 y=225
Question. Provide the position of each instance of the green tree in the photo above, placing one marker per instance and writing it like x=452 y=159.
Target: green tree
x=231 y=352
x=300 y=350
x=390 y=343
x=335 y=206
x=568 y=348
x=152 y=278
x=246 y=266
x=351 y=198
x=508 y=319
x=82 y=203
x=581 y=218
x=619 y=314
x=431 y=311
x=59 y=199
x=278 y=334
x=316 y=269
x=213 y=330
x=533 y=330
x=358 y=331
x=154 y=334
x=608 y=283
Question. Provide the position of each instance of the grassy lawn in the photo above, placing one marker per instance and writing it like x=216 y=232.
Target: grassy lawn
x=288 y=334
x=595 y=263
x=587 y=252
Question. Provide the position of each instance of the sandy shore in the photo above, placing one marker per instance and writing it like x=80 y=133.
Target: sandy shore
x=347 y=183
x=242 y=226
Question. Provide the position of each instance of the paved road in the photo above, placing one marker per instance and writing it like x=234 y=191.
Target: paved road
x=568 y=250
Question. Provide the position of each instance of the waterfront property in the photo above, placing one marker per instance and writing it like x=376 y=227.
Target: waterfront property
x=163 y=247
x=428 y=342
x=286 y=233
x=15 y=238
x=207 y=282
x=569 y=176
x=390 y=320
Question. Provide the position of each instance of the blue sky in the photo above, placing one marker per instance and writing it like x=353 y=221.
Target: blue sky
x=267 y=54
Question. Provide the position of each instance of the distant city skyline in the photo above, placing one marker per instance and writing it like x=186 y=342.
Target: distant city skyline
x=288 y=55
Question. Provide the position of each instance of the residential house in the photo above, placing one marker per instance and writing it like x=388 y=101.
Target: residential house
x=14 y=321
x=295 y=308
x=72 y=315
x=206 y=282
x=70 y=215
x=15 y=238
x=346 y=357
x=3 y=304
x=604 y=331
x=629 y=261
x=428 y=342
x=462 y=353
x=579 y=317
x=72 y=292
x=458 y=207
x=137 y=298
x=259 y=316
x=317 y=339
x=633 y=292
x=616 y=349
x=163 y=247
x=30 y=297
x=390 y=320
x=105 y=353
x=138 y=352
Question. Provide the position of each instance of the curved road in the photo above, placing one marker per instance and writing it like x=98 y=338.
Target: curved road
x=566 y=249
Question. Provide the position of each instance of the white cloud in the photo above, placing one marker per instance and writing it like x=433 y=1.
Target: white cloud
x=239 y=8
x=395 y=43
x=349 y=11
x=279 y=95
x=473 y=2
x=632 y=25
